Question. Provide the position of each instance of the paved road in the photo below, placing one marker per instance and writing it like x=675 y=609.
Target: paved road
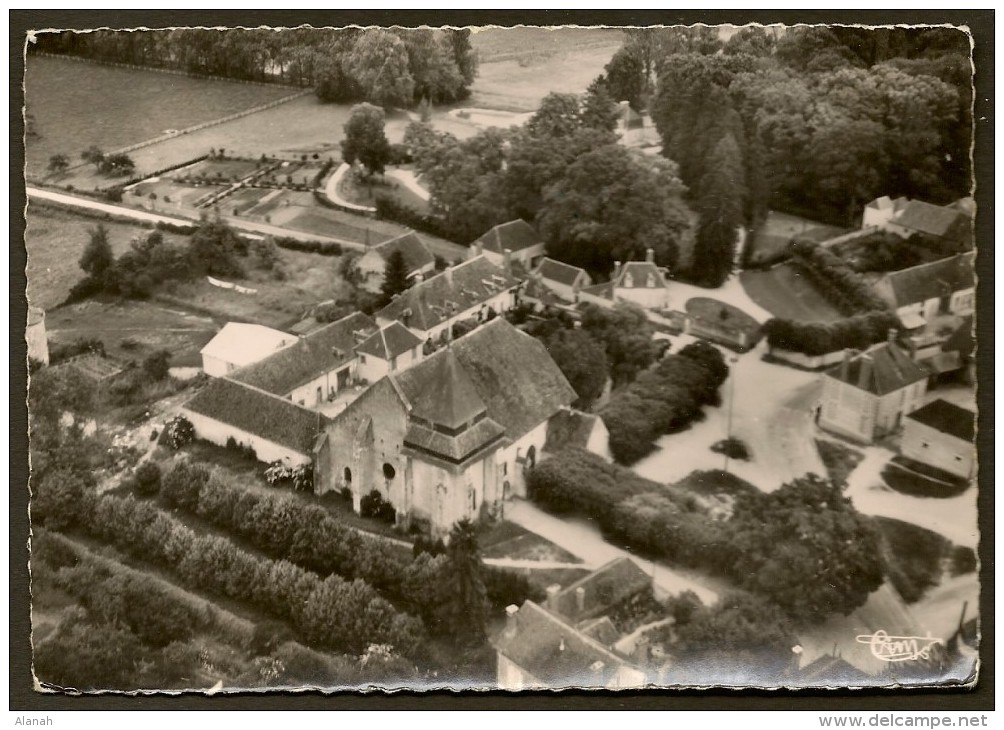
x=585 y=542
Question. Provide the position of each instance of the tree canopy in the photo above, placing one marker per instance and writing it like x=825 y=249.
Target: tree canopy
x=395 y=276
x=365 y=141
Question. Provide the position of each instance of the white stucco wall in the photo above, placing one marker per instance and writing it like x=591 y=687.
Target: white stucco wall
x=217 y=432
x=941 y=450
x=217 y=367
x=514 y=455
x=371 y=368
x=655 y=298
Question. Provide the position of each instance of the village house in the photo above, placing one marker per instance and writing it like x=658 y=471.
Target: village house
x=942 y=435
x=473 y=290
x=239 y=344
x=418 y=259
x=388 y=350
x=922 y=293
x=563 y=279
x=867 y=395
x=517 y=237
x=450 y=437
x=640 y=282
x=906 y=217
x=316 y=367
x=35 y=336
x=570 y=640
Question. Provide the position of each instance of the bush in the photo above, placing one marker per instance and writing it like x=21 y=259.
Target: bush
x=179 y=431
x=733 y=448
x=181 y=484
x=374 y=506
x=835 y=279
x=811 y=338
x=147 y=478
x=325 y=248
x=393 y=210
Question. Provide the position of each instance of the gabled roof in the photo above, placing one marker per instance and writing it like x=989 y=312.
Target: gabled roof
x=935 y=220
x=320 y=352
x=604 y=290
x=559 y=271
x=454 y=448
x=440 y=391
x=417 y=255
x=947 y=418
x=515 y=236
x=556 y=653
x=638 y=275
x=393 y=340
x=569 y=429
x=932 y=280
x=438 y=298
x=886 y=203
x=603 y=589
x=252 y=410
x=889 y=370
x=241 y=343
x=514 y=376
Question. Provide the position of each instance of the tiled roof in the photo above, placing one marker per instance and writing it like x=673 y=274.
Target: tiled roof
x=322 y=351
x=514 y=235
x=890 y=370
x=604 y=290
x=934 y=220
x=555 y=653
x=947 y=418
x=638 y=275
x=393 y=340
x=606 y=588
x=559 y=271
x=440 y=391
x=242 y=343
x=438 y=298
x=569 y=428
x=417 y=255
x=932 y=280
x=267 y=416
x=602 y=629
x=455 y=448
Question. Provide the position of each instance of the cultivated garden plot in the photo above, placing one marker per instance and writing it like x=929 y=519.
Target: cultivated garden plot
x=428 y=359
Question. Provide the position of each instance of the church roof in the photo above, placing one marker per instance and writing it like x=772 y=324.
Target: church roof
x=440 y=391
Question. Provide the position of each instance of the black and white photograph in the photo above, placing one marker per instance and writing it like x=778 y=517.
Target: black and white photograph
x=481 y=357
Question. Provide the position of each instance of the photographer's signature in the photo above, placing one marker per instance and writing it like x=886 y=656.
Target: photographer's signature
x=899 y=648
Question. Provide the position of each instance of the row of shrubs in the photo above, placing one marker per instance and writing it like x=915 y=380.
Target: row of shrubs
x=845 y=288
x=335 y=613
x=819 y=338
x=309 y=536
x=325 y=248
x=391 y=209
x=664 y=399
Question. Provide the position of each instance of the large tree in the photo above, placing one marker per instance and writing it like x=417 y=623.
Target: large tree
x=365 y=140
x=613 y=204
x=466 y=607
x=720 y=204
x=582 y=360
x=378 y=63
x=395 y=276
x=626 y=78
x=626 y=335
x=97 y=258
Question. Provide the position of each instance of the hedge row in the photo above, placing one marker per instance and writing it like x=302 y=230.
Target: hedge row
x=393 y=210
x=325 y=248
x=334 y=613
x=664 y=399
x=836 y=280
x=818 y=338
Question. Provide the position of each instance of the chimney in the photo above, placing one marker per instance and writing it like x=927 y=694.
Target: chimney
x=617 y=271
x=510 y=620
x=561 y=644
x=507 y=260
x=449 y=276
x=845 y=366
x=580 y=599
x=650 y=255
x=865 y=376
x=552 y=596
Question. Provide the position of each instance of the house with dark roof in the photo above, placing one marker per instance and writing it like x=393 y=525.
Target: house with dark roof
x=947 y=222
x=417 y=257
x=449 y=437
x=515 y=241
x=640 y=282
x=389 y=349
x=867 y=395
x=468 y=291
x=942 y=435
x=563 y=279
x=316 y=366
x=275 y=427
x=920 y=293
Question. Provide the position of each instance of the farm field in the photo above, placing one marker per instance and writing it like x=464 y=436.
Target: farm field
x=70 y=103
x=785 y=293
x=55 y=239
x=772 y=237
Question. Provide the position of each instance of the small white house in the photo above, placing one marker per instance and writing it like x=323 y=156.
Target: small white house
x=239 y=344
x=942 y=435
x=516 y=238
x=640 y=282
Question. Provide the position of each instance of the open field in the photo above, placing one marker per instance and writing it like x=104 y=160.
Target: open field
x=55 y=239
x=520 y=66
x=75 y=105
x=772 y=237
x=786 y=293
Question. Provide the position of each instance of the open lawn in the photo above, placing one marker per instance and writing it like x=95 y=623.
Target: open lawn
x=55 y=239
x=170 y=193
x=784 y=292
x=77 y=104
x=361 y=194
x=772 y=237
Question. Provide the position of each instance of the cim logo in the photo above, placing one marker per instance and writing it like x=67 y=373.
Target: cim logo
x=898 y=648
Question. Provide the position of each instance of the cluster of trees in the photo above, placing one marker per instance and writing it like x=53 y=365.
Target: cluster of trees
x=214 y=248
x=116 y=164
x=845 y=288
x=883 y=251
x=803 y=547
x=594 y=200
x=625 y=333
x=818 y=338
x=663 y=399
x=395 y=67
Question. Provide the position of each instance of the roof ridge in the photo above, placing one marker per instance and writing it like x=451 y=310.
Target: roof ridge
x=588 y=640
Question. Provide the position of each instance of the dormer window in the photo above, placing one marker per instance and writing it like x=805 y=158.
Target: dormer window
x=650 y=282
